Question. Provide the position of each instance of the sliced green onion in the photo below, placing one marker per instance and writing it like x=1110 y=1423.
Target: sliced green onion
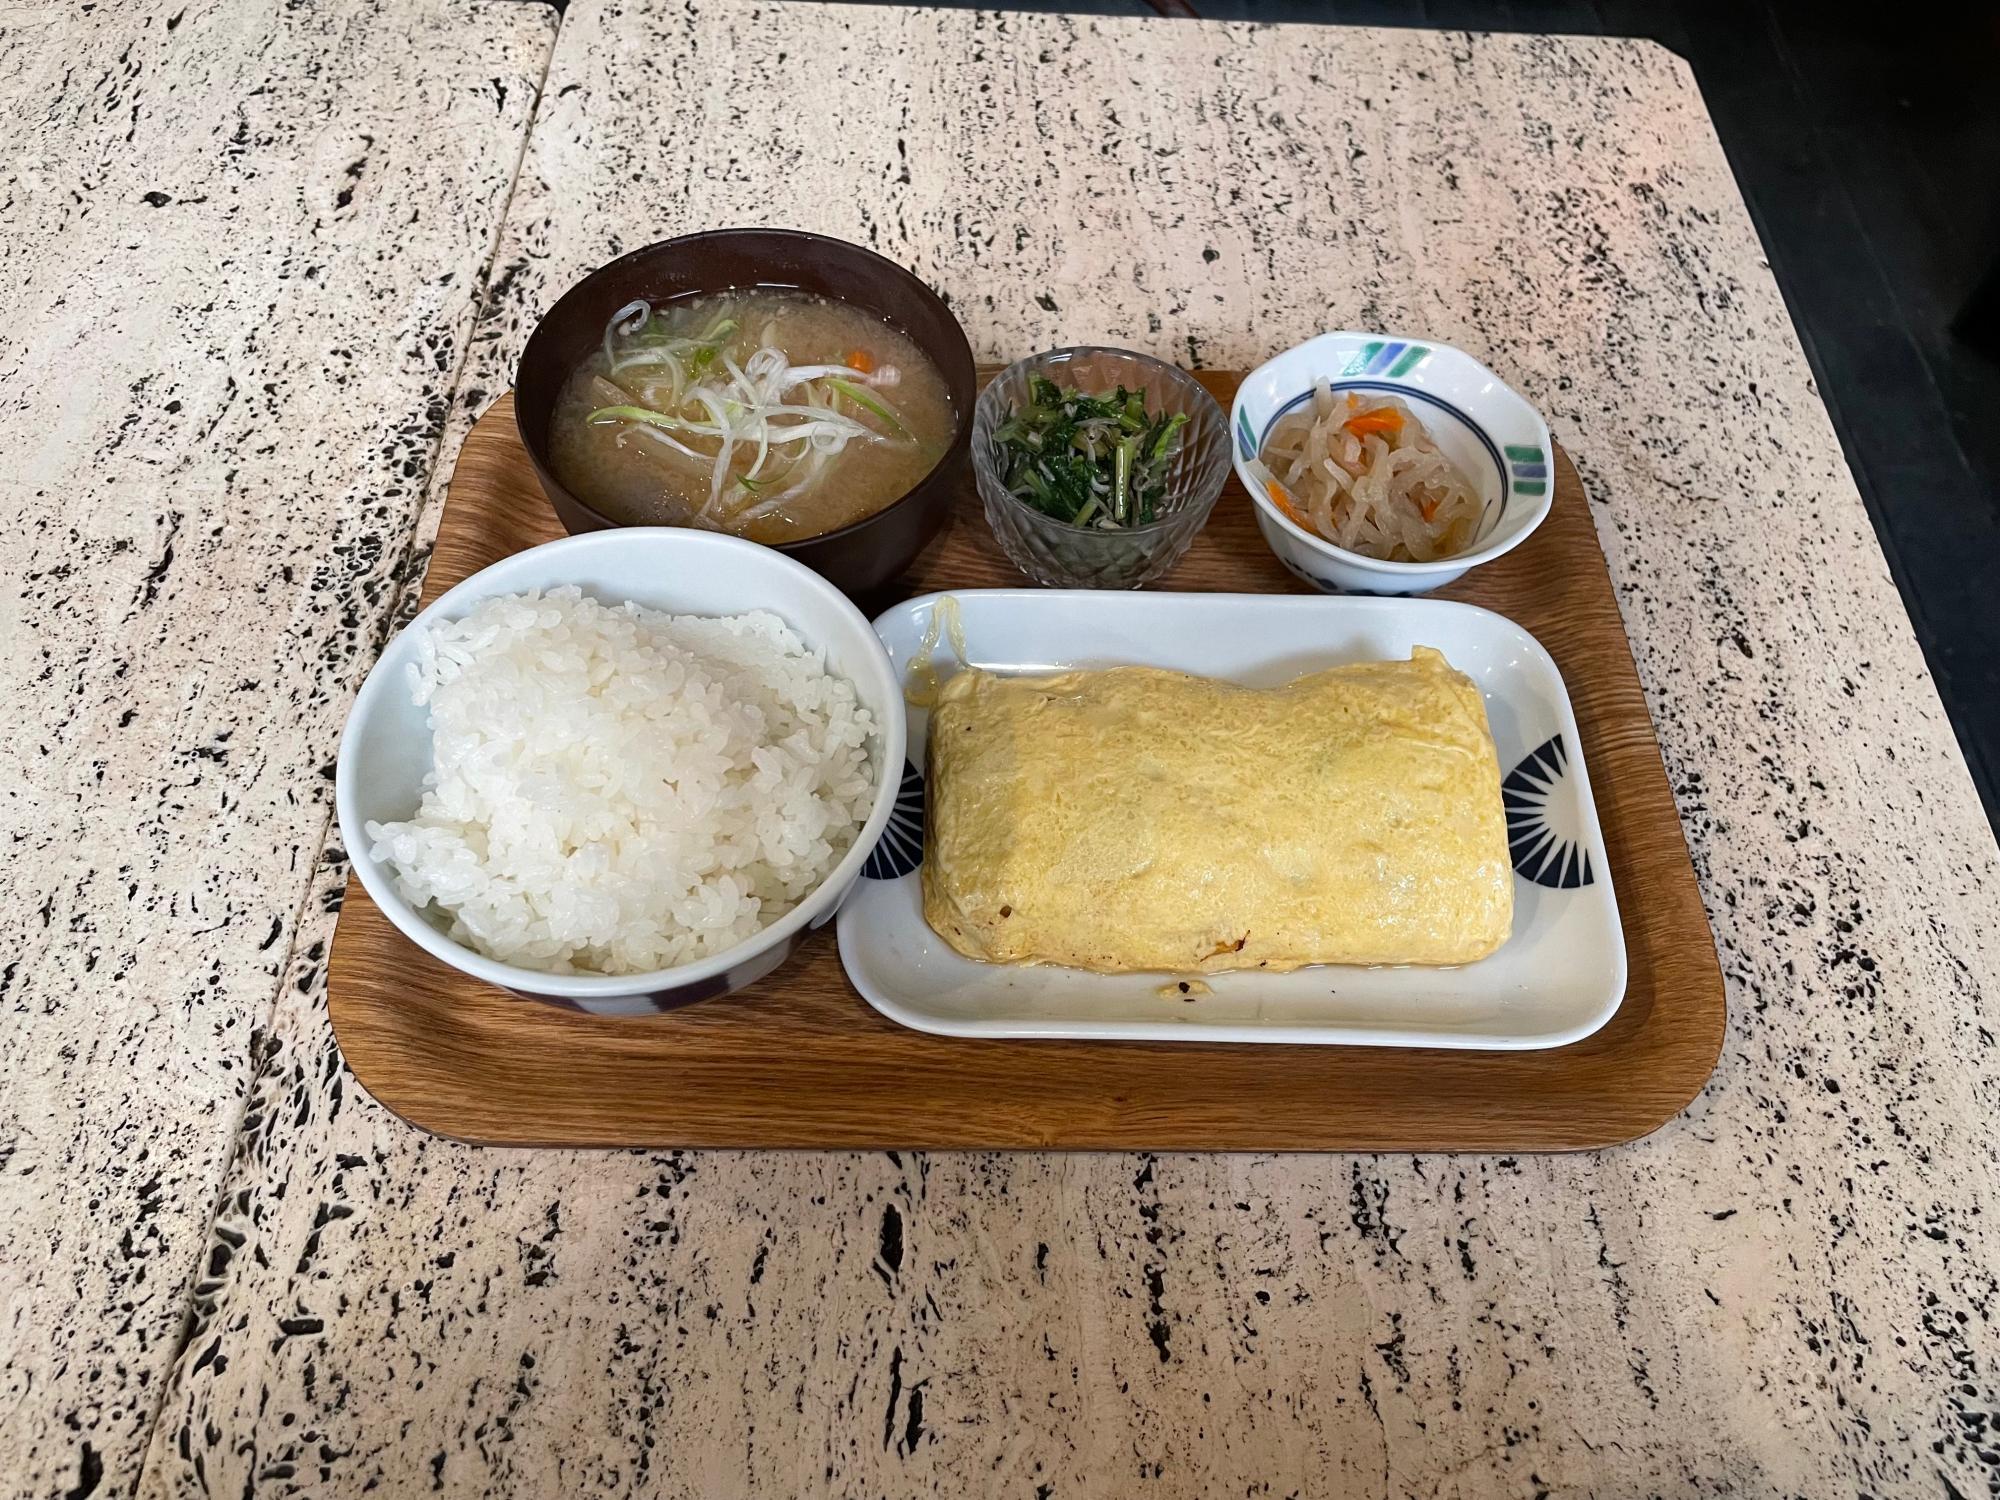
x=866 y=399
x=643 y=414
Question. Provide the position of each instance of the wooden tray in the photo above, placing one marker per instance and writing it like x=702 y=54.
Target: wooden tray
x=801 y=1060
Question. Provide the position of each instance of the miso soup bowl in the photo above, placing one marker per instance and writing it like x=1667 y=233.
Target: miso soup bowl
x=857 y=558
x=385 y=752
x=1497 y=440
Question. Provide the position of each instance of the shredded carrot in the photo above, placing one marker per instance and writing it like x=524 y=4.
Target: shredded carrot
x=1388 y=421
x=862 y=360
x=1284 y=503
x=1429 y=506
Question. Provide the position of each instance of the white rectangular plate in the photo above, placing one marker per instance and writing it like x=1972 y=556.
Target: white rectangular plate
x=1557 y=979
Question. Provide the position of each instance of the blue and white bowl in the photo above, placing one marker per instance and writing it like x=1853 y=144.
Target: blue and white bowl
x=1497 y=440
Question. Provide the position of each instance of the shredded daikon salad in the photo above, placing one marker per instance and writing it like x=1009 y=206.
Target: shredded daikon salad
x=1359 y=469
x=763 y=430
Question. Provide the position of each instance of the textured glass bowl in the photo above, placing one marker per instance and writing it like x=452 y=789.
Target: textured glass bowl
x=1054 y=552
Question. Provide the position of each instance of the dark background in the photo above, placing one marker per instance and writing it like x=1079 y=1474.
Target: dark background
x=1866 y=142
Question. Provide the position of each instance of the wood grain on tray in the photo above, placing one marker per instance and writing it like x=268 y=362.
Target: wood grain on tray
x=801 y=1060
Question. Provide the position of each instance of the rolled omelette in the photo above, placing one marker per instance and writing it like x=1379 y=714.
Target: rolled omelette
x=1140 y=819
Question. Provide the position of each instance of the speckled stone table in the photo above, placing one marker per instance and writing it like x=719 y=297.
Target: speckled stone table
x=240 y=251
x=1789 y=1290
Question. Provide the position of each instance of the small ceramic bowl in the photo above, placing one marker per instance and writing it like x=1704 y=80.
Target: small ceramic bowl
x=1497 y=440
x=385 y=751
x=859 y=557
x=1065 y=556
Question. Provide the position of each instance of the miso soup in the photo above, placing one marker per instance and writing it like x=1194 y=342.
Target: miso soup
x=772 y=414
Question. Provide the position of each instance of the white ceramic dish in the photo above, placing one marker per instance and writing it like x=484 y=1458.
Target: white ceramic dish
x=1556 y=980
x=386 y=748
x=1497 y=439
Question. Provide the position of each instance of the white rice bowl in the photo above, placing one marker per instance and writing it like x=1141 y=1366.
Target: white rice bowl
x=616 y=790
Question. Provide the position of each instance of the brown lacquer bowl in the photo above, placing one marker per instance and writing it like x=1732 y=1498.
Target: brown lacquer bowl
x=856 y=558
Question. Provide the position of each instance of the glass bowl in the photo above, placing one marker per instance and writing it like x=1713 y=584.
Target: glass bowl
x=1065 y=556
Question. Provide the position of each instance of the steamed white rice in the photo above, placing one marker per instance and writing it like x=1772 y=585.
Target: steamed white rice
x=615 y=789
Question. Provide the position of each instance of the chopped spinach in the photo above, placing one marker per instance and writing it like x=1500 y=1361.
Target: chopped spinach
x=1097 y=461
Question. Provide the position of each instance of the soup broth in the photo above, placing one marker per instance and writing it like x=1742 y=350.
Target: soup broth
x=771 y=414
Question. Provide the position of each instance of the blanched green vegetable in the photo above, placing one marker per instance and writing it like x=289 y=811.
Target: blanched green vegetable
x=1096 y=461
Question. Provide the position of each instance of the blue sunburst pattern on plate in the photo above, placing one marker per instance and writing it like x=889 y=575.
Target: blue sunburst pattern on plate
x=901 y=847
x=1541 y=819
